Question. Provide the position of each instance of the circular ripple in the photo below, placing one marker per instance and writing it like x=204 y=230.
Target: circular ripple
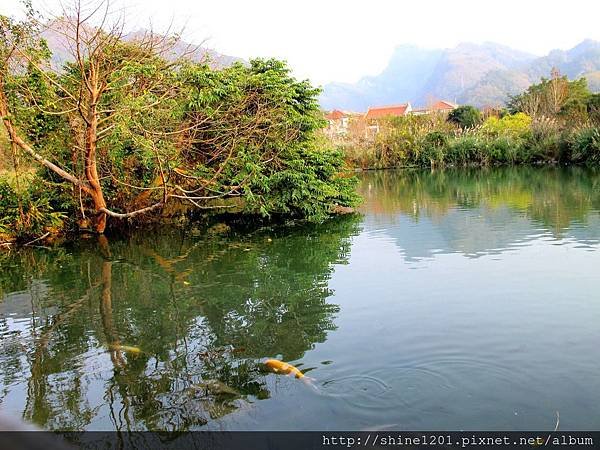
x=442 y=384
x=408 y=383
x=456 y=370
x=415 y=388
x=362 y=391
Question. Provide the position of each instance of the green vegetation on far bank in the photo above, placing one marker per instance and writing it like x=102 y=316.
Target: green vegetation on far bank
x=555 y=121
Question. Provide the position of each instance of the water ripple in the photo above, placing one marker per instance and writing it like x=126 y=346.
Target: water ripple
x=362 y=391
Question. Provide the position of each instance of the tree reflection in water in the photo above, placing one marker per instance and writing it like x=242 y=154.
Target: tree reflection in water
x=202 y=311
x=479 y=211
x=167 y=331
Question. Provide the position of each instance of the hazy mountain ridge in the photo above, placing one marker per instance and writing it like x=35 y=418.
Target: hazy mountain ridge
x=61 y=52
x=193 y=52
x=478 y=74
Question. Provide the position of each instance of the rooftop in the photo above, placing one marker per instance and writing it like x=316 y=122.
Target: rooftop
x=383 y=111
x=336 y=114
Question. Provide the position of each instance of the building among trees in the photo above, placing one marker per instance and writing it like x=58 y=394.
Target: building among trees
x=376 y=113
x=337 y=122
x=441 y=106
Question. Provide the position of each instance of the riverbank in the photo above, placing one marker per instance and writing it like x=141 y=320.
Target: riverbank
x=214 y=223
x=511 y=140
x=537 y=126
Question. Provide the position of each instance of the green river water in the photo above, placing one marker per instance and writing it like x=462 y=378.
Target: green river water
x=458 y=300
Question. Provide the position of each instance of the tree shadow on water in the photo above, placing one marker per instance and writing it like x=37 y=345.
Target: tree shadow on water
x=164 y=331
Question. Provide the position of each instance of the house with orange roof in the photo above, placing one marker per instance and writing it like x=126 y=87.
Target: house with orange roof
x=440 y=106
x=337 y=122
x=376 y=113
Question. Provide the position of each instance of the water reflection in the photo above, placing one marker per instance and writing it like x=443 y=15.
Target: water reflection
x=161 y=331
x=481 y=212
x=167 y=331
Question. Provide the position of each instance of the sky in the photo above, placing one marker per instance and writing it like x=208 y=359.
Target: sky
x=335 y=40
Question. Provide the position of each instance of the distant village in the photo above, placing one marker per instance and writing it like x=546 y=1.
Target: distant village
x=340 y=122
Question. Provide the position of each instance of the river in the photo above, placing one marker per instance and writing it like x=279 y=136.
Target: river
x=456 y=300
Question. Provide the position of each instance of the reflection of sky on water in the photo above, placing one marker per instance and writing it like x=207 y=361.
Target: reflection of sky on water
x=424 y=223
x=500 y=317
x=473 y=232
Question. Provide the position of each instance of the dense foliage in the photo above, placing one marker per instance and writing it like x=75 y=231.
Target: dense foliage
x=28 y=211
x=275 y=157
x=555 y=121
x=128 y=131
x=513 y=139
x=465 y=116
x=556 y=96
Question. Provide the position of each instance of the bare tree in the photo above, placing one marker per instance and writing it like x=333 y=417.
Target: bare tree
x=102 y=64
x=199 y=135
x=558 y=91
x=532 y=104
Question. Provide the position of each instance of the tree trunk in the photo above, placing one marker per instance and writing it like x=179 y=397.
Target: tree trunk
x=91 y=170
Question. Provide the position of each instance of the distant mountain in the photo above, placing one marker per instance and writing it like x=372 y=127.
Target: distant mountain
x=581 y=59
x=61 y=52
x=194 y=52
x=396 y=84
x=482 y=75
x=593 y=79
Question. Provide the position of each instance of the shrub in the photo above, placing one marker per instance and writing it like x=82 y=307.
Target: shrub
x=514 y=125
x=465 y=116
x=28 y=212
x=544 y=142
x=465 y=150
x=504 y=150
x=585 y=145
x=433 y=149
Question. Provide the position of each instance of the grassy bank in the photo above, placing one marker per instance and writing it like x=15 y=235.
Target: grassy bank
x=513 y=139
x=554 y=121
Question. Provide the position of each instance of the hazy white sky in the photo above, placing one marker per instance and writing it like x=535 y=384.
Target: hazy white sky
x=342 y=40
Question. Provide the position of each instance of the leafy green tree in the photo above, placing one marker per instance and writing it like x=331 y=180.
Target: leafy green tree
x=465 y=116
x=133 y=130
x=257 y=139
x=593 y=107
x=575 y=105
x=553 y=97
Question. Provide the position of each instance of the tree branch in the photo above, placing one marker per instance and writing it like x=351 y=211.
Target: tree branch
x=132 y=213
